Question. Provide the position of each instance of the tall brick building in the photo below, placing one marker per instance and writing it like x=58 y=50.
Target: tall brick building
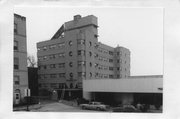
x=74 y=54
x=20 y=79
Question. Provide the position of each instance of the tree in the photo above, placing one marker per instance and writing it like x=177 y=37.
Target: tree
x=31 y=61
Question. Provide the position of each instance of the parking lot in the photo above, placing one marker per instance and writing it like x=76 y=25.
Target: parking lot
x=63 y=106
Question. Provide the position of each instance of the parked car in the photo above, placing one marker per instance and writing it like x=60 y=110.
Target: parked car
x=126 y=108
x=95 y=106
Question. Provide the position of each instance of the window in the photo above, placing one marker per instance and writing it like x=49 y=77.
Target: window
x=81 y=63
x=95 y=55
x=15 y=45
x=110 y=53
x=105 y=76
x=52 y=46
x=44 y=57
x=52 y=66
x=96 y=65
x=111 y=68
x=61 y=65
x=70 y=64
x=110 y=60
x=15 y=28
x=38 y=49
x=90 y=64
x=81 y=74
x=45 y=67
x=81 y=52
x=90 y=74
x=90 y=54
x=16 y=80
x=71 y=75
x=44 y=48
x=61 y=45
x=39 y=67
x=90 y=44
x=117 y=53
x=125 y=62
x=118 y=76
x=61 y=54
x=52 y=56
x=70 y=53
x=117 y=61
x=16 y=63
x=105 y=68
x=70 y=43
x=81 y=41
x=62 y=75
x=110 y=76
x=53 y=75
x=118 y=68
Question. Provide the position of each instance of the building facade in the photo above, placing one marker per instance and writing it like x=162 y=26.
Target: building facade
x=135 y=89
x=74 y=54
x=20 y=80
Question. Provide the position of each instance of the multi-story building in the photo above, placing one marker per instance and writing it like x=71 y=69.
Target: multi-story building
x=74 y=54
x=20 y=80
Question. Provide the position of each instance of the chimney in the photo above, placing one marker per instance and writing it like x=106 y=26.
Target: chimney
x=77 y=17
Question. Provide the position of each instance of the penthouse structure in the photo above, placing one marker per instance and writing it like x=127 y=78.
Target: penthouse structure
x=74 y=54
x=20 y=79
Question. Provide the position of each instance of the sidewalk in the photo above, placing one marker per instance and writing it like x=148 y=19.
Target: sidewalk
x=24 y=108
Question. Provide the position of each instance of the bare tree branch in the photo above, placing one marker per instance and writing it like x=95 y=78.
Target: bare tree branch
x=31 y=61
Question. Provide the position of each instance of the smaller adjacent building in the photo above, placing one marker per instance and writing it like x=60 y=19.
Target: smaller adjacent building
x=135 y=89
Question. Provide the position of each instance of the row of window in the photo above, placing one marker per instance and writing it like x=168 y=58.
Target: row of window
x=53 y=46
x=53 y=56
x=80 y=75
x=79 y=63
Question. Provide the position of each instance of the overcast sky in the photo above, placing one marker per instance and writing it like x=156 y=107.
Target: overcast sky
x=138 y=29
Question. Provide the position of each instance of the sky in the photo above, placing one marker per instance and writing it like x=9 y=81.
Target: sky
x=138 y=29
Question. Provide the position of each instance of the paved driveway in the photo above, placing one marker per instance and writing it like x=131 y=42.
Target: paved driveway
x=59 y=107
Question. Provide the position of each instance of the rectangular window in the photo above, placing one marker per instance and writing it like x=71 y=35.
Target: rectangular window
x=110 y=53
x=81 y=52
x=110 y=60
x=15 y=28
x=45 y=67
x=61 y=65
x=38 y=49
x=52 y=65
x=44 y=48
x=52 y=56
x=15 y=45
x=61 y=54
x=81 y=74
x=110 y=76
x=81 y=63
x=16 y=63
x=16 y=80
x=53 y=75
x=52 y=46
x=61 y=45
x=44 y=57
x=111 y=68
x=81 y=41
x=62 y=75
